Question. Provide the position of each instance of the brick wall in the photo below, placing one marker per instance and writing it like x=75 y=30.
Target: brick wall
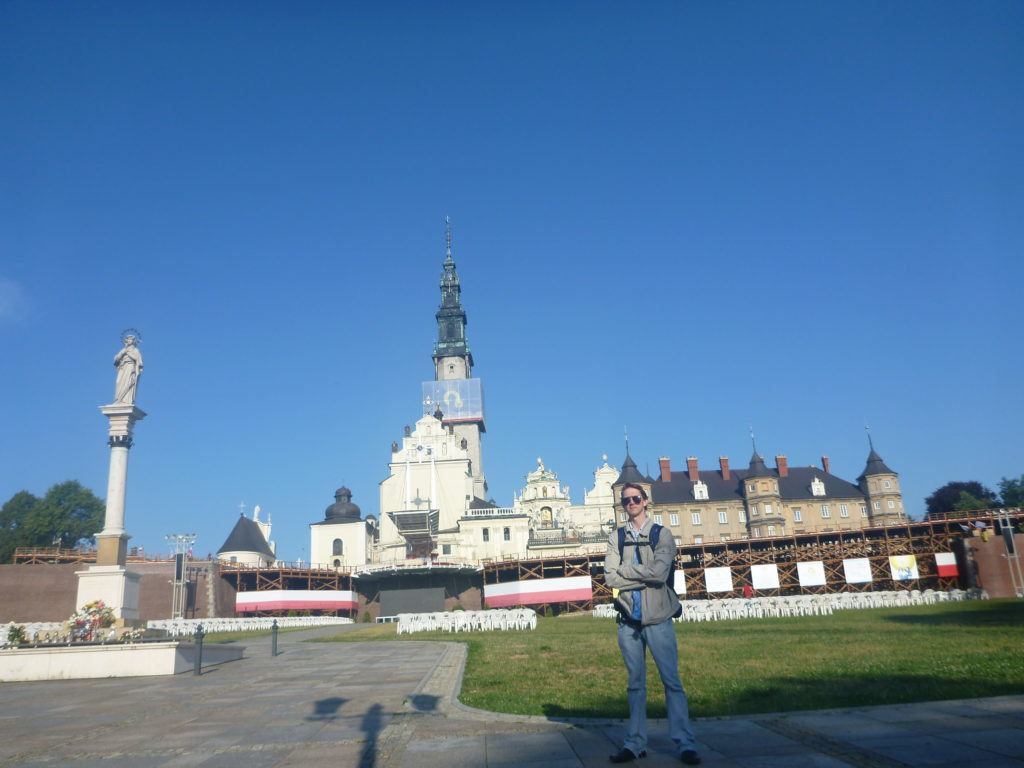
x=47 y=592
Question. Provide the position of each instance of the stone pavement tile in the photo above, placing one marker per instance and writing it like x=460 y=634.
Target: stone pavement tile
x=587 y=743
x=330 y=756
x=806 y=760
x=844 y=726
x=1010 y=707
x=445 y=753
x=1008 y=742
x=915 y=749
x=955 y=724
x=244 y=759
x=188 y=760
x=746 y=738
x=549 y=748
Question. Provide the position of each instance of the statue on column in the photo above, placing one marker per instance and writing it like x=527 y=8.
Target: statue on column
x=128 y=363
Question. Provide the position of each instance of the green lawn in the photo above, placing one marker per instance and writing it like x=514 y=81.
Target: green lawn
x=570 y=665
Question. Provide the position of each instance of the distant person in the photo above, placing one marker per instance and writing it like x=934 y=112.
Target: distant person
x=748 y=591
x=646 y=606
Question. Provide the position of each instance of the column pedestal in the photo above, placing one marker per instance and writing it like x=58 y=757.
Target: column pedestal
x=112 y=548
x=114 y=585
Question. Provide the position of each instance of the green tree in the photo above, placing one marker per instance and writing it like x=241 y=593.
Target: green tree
x=946 y=498
x=67 y=515
x=967 y=502
x=1012 y=491
x=12 y=519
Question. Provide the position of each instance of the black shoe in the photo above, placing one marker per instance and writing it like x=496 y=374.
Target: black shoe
x=690 y=757
x=625 y=756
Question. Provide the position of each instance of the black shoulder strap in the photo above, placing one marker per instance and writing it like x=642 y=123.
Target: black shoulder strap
x=622 y=541
x=655 y=535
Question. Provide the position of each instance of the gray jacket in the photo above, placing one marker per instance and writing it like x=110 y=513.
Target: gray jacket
x=658 y=602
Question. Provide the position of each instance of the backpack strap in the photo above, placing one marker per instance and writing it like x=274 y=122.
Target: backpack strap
x=622 y=541
x=655 y=535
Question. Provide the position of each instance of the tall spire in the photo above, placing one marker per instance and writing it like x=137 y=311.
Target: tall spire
x=871 y=443
x=451 y=317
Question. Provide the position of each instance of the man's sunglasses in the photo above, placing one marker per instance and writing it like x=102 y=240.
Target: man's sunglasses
x=627 y=500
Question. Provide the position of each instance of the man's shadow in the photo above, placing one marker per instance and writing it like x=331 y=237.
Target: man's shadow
x=372 y=726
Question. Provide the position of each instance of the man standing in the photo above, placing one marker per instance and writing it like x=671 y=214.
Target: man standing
x=646 y=606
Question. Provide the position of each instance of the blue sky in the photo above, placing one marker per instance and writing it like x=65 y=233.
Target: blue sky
x=687 y=218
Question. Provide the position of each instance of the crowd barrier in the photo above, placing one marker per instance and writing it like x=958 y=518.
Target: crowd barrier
x=806 y=605
x=185 y=627
x=467 y=621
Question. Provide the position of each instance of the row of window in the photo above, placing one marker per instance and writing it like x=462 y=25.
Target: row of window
x=506 y=534
x=766 y=509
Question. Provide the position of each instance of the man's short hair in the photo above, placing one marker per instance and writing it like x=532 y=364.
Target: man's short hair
x=643 y=493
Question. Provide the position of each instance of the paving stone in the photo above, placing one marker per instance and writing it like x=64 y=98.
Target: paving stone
x=392 y=705
x=924 y=750
x=1008 y=742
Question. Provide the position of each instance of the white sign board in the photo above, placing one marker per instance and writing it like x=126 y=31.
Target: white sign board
x=811 y=574
x=718 y=579
x=857 y=570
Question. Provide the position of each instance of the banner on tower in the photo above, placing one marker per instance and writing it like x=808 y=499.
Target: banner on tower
x=458 y=399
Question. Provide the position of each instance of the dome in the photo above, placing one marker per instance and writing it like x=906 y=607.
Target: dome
x=342 y=509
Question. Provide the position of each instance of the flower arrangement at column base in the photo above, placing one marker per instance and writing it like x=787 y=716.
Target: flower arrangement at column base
x=86 y=623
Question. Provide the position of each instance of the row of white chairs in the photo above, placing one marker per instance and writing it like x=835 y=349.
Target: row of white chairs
x=467 y=621
x=187 y=627
x=805 y=605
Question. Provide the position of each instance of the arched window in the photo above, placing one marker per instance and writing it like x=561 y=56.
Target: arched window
x=337 y=562
x=337 y=548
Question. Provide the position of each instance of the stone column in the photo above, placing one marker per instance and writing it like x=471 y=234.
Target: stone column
x=112 y=541
x=109 y=580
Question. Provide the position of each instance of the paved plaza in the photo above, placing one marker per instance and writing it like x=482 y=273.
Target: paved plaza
x=393 y=704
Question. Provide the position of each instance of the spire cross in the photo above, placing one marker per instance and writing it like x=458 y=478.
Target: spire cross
x=448 y=238
x=871 y=443
x=753 y=441
x=625 y=433
x=241 y=508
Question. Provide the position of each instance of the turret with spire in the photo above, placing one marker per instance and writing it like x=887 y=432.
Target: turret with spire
x=452 y=357
x=882 y=487
x=764 y=500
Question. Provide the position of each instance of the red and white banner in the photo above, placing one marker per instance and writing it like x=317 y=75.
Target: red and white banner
x=295 y=600
x=946 y=564
x=560 y=590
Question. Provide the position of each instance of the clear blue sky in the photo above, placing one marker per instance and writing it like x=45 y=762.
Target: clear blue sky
x=682 y=217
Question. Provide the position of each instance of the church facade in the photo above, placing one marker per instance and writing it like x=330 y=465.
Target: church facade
x=435 y=509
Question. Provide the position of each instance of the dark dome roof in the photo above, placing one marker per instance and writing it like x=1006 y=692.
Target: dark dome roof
x=875 y=466
x=756 y=468
x=246 y=536
x=629 y=473
x=343 y=508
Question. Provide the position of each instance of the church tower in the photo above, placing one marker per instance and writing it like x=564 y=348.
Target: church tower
x=454 y=390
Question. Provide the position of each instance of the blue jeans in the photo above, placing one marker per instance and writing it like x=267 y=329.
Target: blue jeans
x=661 y=639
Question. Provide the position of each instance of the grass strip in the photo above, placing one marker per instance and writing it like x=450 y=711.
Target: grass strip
x=570 y=665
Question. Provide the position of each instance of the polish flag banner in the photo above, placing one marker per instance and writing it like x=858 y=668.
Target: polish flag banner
x=945 y=562
x=295 y=600
x=560 y=590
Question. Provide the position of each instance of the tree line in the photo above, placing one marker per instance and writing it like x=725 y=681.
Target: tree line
x=964 y=496
x=67 y=515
